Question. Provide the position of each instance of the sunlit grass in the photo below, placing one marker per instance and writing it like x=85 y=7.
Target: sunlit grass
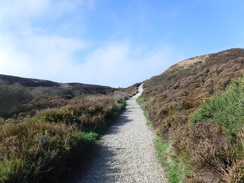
x=176 y=170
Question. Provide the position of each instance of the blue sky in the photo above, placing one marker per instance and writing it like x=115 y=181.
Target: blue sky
x=112 y=42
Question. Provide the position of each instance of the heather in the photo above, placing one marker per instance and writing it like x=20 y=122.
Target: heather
x=46 y=133
x=197 y=108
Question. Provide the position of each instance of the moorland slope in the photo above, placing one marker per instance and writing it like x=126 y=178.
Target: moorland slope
x=45 y=126
x=16 y=91
x=197 y=105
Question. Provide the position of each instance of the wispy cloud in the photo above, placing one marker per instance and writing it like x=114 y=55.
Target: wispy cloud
x=37 y=56
x=29 y=9
x=29 y=49
x=125 y=65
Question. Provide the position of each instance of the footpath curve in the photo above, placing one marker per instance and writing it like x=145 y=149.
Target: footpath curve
x=126 y=153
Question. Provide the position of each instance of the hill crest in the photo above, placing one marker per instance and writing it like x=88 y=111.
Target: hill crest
x=203 y=58
x=30 y=82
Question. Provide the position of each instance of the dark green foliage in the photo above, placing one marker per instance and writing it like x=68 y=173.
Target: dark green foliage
x=225 y=109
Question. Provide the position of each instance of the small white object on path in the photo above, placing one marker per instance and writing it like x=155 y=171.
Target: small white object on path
x=126 y=153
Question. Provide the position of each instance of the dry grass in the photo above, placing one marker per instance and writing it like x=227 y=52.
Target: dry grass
x=235 y=172
x=186 y=63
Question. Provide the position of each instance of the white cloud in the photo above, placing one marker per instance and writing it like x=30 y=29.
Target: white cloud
x=26 y=52
x=52 y=57
x=42 y=16
x=17 y=14
x=37 y=56
x=116 y=64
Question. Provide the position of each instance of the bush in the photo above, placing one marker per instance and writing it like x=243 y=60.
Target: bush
x=217 y=133
x=226 y=110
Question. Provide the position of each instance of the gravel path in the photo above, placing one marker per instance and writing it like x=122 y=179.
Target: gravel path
x=126 y=153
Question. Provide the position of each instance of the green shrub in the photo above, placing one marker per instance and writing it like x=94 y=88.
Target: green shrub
x=90 y=136
x=216 y=139
x=226 y=109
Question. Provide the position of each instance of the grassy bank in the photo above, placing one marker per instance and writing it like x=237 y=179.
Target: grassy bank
x=175 y=169
x=41 y=142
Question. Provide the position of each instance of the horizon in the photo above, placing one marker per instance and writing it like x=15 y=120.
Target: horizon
x=112 y=43
x=108 y=85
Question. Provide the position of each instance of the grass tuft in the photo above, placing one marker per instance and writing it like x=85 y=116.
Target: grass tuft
x=176 y=170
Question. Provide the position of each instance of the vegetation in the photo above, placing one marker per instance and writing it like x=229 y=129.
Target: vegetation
x=226 y=109
x=222 y=115
x=16 y=91
x=176 y=170
x=142 y=102
x=202 y=125
x=11 y=99
x=46 y=133
x=196 y=106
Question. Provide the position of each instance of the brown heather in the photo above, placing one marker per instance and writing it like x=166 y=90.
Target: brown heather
x=44 y=134
x=173 y=96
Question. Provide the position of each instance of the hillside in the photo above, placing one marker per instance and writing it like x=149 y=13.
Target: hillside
x=196 y=106
x=205 y=149
x=67 y=90
x=16 y=91
x=46 y=126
